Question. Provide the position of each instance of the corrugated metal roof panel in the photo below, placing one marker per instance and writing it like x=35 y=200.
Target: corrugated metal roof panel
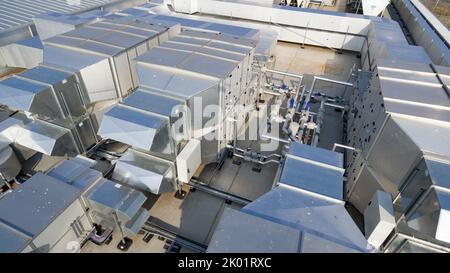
x=14 y=13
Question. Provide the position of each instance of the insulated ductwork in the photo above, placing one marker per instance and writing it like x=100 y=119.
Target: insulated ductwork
x=189 y=73
x=115 y=204
x=39 y=135
x=385 y=41
x=146 y=120
x=54 y=23
x=336 y=30
x=145 y=172
x=43 y=91
x=105 y=50
x=53 y=96
x=27 y=53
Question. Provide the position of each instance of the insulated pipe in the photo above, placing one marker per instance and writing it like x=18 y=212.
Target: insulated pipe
x=300 y=76
x=336 y=145
x=317 y=78
x=333 y=81
x=196 y=184
x=337 y=106
x=297 y=93
x=303 y=94
x=271 y=93
x=119 y=225
x=244 y=151
x=258 y=161
x=276 y=139
x=319 y=122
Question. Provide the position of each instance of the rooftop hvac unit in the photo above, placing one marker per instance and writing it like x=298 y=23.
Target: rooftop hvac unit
x=391 y=124
x=39 y=216
x=202 y=69
x=104 y=50
x=45 y=92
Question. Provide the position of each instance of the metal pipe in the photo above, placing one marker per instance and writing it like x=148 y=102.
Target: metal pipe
x=243 y=151
x=335 y=145
x=302 y=128
x=337 y=106
x=258 y=161
x=197 y=184
x=273 y=155
x=258 y=95
x=319 y=122
x=271 y=93
x=317 y=78
x=333 y=81
x=119 y=225
x=301 y=96
x=6 y=181
x=300 y=76
x=276 y=139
